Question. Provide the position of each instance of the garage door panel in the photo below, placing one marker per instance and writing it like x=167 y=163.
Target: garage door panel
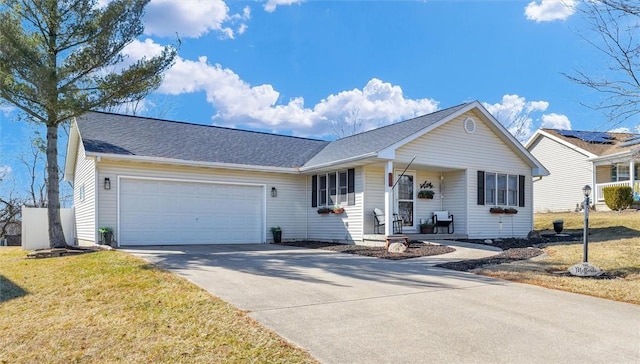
x=168 y=212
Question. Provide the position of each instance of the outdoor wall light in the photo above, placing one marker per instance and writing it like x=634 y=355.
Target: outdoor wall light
x=274 y=192
x=107 y=183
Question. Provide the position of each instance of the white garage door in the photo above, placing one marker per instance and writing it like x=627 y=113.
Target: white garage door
x=173 y=213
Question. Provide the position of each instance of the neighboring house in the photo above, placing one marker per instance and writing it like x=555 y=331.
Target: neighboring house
x=578 y=158
x=165 y=182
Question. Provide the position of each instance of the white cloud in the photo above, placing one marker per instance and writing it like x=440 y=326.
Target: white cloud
x=555 y=121
x=622 y=129
x=550 y=10
x=271 y=5
x=516 y=114
x=193 y=18
x=238 y=102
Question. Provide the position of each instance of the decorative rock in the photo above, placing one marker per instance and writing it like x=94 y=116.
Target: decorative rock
x=397 y=248
x=585 y=270
x=533 y=234
x=488 y=241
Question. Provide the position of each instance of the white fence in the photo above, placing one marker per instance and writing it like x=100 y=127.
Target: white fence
x=35 y=227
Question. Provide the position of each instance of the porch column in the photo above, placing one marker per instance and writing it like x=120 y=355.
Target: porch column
x=388 y=199
x=632 y=172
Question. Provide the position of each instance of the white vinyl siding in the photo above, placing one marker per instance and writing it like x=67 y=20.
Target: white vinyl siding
x=346 y=227
x=287 y=210
x=449 y=146
x=84 y=206
x=569 y=171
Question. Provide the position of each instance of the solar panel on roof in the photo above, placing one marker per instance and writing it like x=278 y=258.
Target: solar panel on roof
x=588 y=136
x=632 y=140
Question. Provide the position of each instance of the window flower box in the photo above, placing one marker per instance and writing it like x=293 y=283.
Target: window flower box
x=337 y=210
x=324 y=210
x=496 y=210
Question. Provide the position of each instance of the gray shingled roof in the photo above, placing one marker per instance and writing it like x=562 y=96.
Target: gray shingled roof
x=139 y=136
x=377 y=139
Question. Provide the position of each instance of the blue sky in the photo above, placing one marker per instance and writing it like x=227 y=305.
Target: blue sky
x=304 y=67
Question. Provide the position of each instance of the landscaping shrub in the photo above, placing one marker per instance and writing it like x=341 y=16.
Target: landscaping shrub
x=618 y=197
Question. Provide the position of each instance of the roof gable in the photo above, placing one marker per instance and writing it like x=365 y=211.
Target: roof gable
x=613 y=143
x=369 y=143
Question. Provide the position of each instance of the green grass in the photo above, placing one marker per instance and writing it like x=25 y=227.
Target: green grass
x=111 y=307
x=614 y=246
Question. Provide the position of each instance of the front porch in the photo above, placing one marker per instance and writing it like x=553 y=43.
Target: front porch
x=379 y=239
x=635 y=186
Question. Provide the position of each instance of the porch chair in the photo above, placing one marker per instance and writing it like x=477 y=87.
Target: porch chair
x=443 y=219
x=378 y=221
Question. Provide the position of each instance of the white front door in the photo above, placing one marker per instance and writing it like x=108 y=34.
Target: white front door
x=405 y=199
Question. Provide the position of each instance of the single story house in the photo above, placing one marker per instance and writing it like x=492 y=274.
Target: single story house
x=156 y=182
x=578 y=158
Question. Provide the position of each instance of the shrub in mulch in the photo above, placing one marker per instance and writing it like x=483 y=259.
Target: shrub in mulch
x=415 y=249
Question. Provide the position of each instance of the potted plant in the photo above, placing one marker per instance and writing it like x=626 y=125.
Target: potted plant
x=496 y=210
x=427 y=227
x=276 y=231
x=106 y=234
x=558 y=225
x=428 y=194
x=324 y=210
x=337 y=209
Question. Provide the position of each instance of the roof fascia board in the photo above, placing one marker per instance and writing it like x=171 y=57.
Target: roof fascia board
x=568 y=144
x=627 y=154
x=180 y=162
x=537 y=169
x=338 y=162
x=73 y=144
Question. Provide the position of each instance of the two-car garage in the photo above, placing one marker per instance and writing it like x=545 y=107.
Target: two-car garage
x=173 y=212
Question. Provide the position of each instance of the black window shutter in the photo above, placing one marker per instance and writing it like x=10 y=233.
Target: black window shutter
x=480 y=187
x=351 y=186
x=314 y=191
x=521 y=190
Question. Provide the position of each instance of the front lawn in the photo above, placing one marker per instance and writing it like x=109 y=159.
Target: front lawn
x=614 y=246
x=110 y=307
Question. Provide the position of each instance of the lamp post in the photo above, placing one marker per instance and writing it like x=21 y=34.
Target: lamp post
x=585 y=269
x=586 y=190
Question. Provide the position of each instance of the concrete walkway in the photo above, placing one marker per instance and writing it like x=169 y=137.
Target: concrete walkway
x=350 y=309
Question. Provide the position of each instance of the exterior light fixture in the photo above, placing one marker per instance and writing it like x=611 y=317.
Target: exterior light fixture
x=107 y=183
x=587 y=191
x=585 y=269
x=274 y=192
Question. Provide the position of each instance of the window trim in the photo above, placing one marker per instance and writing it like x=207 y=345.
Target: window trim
x=334 y=193
x=489 y=190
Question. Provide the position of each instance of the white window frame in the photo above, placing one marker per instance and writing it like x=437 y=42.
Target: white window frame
x=497 y=195
x=331 y=196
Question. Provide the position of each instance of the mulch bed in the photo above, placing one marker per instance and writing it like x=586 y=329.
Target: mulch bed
x=513 y=249
x=507 y=256
x=61 y=252
x=416 y=249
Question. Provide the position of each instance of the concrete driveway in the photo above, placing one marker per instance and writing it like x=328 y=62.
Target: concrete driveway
x=350 y=309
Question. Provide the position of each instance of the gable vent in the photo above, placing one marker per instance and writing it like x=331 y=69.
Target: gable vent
x=470 y=125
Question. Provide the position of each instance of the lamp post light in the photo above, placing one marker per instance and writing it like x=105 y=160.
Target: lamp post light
x=585 y=269
x=586 y=190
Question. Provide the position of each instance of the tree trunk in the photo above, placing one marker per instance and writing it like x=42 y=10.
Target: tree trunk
x=56 y=235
